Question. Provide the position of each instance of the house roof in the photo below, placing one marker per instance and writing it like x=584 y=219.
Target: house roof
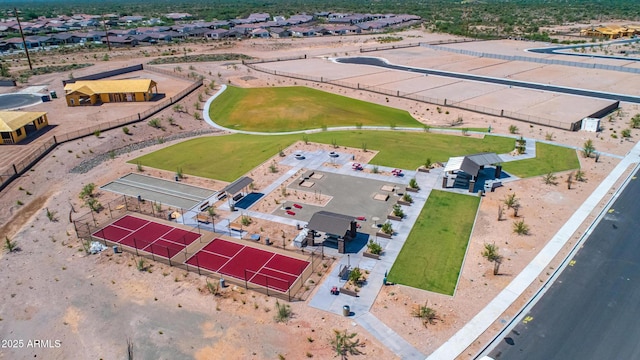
x=331 y=223
x=90 y=87
x=471 y=164
x=237 y=186
x=14 y=120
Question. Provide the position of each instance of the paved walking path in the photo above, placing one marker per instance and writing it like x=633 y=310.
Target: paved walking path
x=361 y=305
x=487 y=316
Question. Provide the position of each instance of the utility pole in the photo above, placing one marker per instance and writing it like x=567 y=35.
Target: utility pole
x=24 y=42
x=106 y=33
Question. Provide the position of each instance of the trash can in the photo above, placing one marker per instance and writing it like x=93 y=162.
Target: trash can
x=115 y=249
x=222 y=284
x=384 y=281
x=346 y=310
x=53 y=94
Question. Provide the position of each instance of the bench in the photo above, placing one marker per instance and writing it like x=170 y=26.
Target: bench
x=204 y=206
x=235 y=227
x=203 y=218
x=237 y=197
x=344 y=273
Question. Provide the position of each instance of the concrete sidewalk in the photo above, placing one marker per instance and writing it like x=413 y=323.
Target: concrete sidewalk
x=360 y=306
x=487 y=316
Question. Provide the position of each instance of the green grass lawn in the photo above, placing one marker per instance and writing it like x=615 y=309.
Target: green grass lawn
x=223 y=158
x=549 y=159
x=228 y=157
x=432 y=256
x=409 y=150
x=279 y=109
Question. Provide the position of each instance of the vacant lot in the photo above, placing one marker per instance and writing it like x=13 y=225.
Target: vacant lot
x=299 y=108
x=431 y=258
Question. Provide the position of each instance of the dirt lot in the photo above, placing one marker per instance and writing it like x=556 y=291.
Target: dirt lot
x=93 y=303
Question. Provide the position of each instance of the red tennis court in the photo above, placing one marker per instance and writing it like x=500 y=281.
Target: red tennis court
x=260 y=267
x=160 y=239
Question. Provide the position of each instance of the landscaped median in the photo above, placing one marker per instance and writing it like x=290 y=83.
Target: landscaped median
x=432 y=255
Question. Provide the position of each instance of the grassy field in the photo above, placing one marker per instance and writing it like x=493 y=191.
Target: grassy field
x=228 y=157
x=279 y=109
x=409 y=150
x=223 y=158
x=432 y=256
x=549 y=158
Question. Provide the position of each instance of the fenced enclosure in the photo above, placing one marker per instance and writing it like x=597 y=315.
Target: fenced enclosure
x=182 y=251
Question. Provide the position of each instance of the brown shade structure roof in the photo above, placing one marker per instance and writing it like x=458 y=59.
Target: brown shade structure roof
x=237 y=186
x=331 y=223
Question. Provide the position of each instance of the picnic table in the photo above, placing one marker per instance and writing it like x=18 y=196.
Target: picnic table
x=356 y=166
x=396 y=172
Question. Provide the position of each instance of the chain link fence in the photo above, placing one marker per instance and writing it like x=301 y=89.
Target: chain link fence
x=92 y=222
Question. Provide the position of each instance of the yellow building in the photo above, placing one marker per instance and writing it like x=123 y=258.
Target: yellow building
x=91 y=92
x=16 y=125
x=610 y=32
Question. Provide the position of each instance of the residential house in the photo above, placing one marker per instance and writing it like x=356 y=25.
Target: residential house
x=130 y=19
x=298 y=31
x=260 y=33
x=258 y=17
x=91 y=92
x=278 y=32
x=217 y=34
x=178 y=16
x=15 y=126
x=121 y=41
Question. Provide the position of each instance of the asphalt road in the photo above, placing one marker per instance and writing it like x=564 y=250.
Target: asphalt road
x=12 y=101
x=499 y=81
x=558 y=50
x=592 y=311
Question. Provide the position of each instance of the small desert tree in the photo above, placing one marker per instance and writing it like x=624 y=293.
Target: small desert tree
x=374 y=247
x=550 y=179
x=397 y=211
x=355 y=276
x=635 y=121
x=10 y=245
x=588 y=148
x=88 y=191
x=492 y=254
x=512 y=202
x=283 y=312
x=513 y=129
x=580 y=176
x=426 y=314
x=413 y=184
x=387 y=228
x=520 y=228
x=344 y=344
